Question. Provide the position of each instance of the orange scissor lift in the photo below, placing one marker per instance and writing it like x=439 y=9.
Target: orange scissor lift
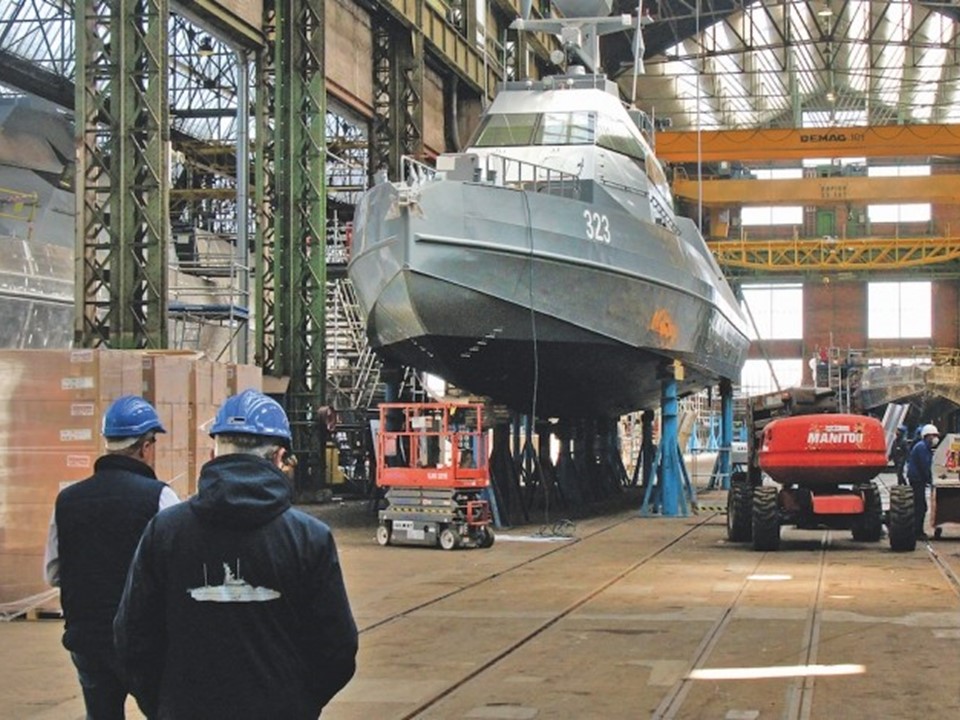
x=432 y=459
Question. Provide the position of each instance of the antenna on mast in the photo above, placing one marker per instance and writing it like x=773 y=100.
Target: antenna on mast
x=639 y=48
x=580 y=25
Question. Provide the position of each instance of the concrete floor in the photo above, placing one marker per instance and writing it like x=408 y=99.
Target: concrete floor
x=617 y=622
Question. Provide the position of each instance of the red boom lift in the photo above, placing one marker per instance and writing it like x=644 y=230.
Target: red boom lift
x=823 y=464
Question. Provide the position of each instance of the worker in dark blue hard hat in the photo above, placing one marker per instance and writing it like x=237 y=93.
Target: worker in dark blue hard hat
x=920 y=473
x=899 y=450
x=235 y=606
x=94 y=530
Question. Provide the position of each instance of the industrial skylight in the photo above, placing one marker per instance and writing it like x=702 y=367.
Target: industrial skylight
x=783 y=64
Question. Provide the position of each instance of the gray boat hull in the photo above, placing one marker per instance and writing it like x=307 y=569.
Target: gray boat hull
x=501 y=292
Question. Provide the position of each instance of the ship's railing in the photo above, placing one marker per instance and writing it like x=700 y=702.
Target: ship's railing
x=414 y=171
x=506 y=172
x=523 y=175
x=662 y=212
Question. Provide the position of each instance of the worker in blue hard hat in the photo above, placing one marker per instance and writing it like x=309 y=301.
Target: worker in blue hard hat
x=899 y=449
x=94 y=530
x=920 y=473
x=235 y=605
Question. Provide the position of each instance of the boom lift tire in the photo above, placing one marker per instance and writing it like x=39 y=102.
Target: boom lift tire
x=739 y=509
x=869 y=526
x=383 y=535
x=766 y=520
x=901 y=524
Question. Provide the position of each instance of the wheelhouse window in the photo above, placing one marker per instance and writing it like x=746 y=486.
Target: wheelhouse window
x=615 y=135
x=576 y=128
x=507 y=130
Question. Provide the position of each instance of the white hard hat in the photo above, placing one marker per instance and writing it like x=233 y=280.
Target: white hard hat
x=929 y=430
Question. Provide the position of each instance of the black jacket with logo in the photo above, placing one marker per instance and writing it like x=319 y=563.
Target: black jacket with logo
x=235 y=606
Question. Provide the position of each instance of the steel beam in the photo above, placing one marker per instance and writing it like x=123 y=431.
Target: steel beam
x=792 y=256
x=764 y=144
x=446 y=42
x=822 y=191
x=122 y=127
x=398 y=75
x=296 y=267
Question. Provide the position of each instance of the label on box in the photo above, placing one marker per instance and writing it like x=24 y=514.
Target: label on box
x=81 y=409
x=77 y=383
x=76 y=435
x=76 y=461
x=81 y=356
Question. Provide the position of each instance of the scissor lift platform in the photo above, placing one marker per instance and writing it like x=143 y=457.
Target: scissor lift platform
x=432 y=459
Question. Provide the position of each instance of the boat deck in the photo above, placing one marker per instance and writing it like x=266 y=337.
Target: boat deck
x=628 y=617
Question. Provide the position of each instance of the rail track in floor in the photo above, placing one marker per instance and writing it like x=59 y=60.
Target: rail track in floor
x=795 y=692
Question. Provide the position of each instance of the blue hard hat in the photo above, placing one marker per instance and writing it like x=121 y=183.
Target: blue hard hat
x=252 y=413
x=130 y=416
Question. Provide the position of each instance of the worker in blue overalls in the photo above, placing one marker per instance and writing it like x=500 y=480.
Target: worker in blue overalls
x=920 y=473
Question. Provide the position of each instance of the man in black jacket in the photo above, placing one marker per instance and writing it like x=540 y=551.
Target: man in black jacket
x=235 y=605
x=899 y=451
x=94 y=530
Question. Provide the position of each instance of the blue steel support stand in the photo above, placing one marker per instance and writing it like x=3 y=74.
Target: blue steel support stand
x=723 y=467
x=726 y=431
x=673 y=488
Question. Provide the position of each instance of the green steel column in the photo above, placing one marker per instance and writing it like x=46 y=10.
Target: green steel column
x=300 y=258
x=411 y=60
x=265 y=196
x=398 y=77
x=122 y=173
x=385 y=136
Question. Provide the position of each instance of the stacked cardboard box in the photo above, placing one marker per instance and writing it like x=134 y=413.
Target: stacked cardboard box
x=166 y=384
x=50 y=414
x=51 y=405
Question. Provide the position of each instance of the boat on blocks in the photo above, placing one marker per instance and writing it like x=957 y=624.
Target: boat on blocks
x=544 y=266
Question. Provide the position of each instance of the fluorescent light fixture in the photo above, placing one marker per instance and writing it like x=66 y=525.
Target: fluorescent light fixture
x=770 y=578
x=775 y=671
x=824 y=11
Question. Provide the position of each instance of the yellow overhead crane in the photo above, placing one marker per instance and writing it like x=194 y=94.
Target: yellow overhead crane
x=829 y=253
x=712 y=146
x=797 y=256
x=835 y=190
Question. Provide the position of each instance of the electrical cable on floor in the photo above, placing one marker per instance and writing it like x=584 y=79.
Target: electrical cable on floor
x=562 y=528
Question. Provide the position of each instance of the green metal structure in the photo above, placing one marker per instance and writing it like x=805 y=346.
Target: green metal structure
x=122 y=127
x=293 y=259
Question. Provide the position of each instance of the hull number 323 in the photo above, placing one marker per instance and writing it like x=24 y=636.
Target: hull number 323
x=598 y=226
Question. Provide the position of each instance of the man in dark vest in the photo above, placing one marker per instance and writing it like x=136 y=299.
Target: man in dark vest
x=94 y=532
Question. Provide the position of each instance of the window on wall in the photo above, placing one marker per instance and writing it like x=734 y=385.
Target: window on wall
x=899 y=310
x=777 y=311
x=757 y=379
x=907 y=212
